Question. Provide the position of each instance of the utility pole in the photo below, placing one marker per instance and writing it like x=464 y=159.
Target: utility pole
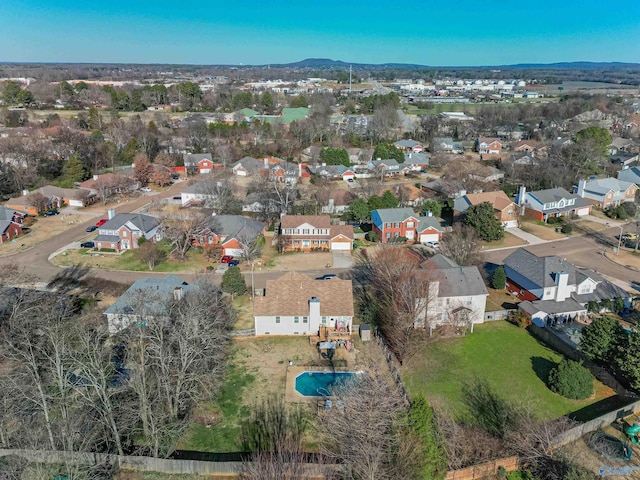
x=350 y=71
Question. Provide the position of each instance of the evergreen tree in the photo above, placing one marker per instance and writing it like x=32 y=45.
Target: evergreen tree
x=233 y=282
x=358 y=210
x=74 y=170
x=433 y=452
x=432 y=206
x=601 y=337
x=483 y=220
x=389 y=200
x=499 y=278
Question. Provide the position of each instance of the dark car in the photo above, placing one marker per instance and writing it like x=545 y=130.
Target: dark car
x=234 y=263
x=92 y=228
x=175 y=176
x=327 y=276
x=87 y=245
x=50 y=213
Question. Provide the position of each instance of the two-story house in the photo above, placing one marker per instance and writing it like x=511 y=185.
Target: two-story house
x=607 y=192
x=392 y=223
x=10 y=224
x=233 y=233
x=554 y=202
x=306 y=233
x=552 y=287
x=296 y=304
x=506 y=211
x=198 y=162
x=489 y=146
x=123 y=230
x=417 y=162
x=409 y=146
x=445 y=145
x=456 y=295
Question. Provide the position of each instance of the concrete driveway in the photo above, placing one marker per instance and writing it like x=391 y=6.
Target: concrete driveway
x=342 y=259
x=527 y=237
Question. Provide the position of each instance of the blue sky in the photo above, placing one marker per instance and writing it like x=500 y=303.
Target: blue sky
x=442 y=33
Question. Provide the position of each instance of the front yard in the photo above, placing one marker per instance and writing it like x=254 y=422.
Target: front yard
x=509 y=240
x=510 y=359
x=542 y=230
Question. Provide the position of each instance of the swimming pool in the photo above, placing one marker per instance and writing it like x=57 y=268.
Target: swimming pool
x=318 y=384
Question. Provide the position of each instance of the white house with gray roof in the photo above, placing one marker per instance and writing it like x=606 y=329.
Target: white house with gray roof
x=147 y=300
x=457 y=295
x=554 y=202
x=607 y=192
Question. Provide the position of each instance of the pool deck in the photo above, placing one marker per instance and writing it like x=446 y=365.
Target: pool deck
x=291 y=394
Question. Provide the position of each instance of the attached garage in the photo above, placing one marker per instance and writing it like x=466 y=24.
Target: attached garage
x=583 y=211
x=341 y=243
x=429 y=237
x=510 y=224
x=348 y=175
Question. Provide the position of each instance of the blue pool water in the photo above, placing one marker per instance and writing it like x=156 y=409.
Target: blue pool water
x=318 y=384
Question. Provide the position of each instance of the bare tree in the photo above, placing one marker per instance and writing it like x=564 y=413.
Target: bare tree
x=150 y=253
x=182 y=230
x=461 y=245
x=38 y=200
x=219 y=192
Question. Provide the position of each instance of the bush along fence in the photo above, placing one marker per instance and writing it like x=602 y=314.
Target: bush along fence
x=484 y=470
x=394 y=366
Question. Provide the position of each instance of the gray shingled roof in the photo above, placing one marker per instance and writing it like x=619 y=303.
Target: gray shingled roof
x=426 y=222
x=630 y=175
x=249 y=164
x=407 y=143
x=555 y=194
x=235 y=226
x=145 y=223
x=539 y=270
x=551 y=307
x=417 y=158
x=192 y=159
x=461 y=282
x=7 y=214
x=154 y=292
x=391 y=215
x=602 y=186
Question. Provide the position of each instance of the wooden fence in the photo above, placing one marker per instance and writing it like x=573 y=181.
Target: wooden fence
x=497 y=315
x=394 y=366
x=483 y=470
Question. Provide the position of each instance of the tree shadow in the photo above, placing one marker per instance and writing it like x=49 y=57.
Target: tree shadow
x=542 y=367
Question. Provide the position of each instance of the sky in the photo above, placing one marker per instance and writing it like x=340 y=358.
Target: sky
x=258 y=32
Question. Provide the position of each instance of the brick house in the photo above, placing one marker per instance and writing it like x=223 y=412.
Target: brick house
x=390 y=223
x=55 y=197
x=409 y=146
x=232 y=232
x=490 y=146
x=528 y=146
x=10 y=224
x=553 y=202
x=198 y=162
x=506 y=211
x=607 y=192
x=308 y=233
x=122 y=231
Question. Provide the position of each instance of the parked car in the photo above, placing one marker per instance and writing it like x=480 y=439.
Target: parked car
x=433 y=245
x=175 y=176
x=146 y=190
x=87 y=244
x=327 y=276
x=178 y=197
x=92 y=228
x=50 y=213
x=101 y=222
x=350 y=180
x=234 y=263
x=226 y=258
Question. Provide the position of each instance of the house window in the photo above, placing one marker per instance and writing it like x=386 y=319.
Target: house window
x=296 y=319
x=396 y=234
x=124 y=233
x=305 y=231
x=388 y=235
x=296 y=333
x=397 y=225
x=210 y=239
x=409 y=224
x=324 y=320
x=305 y=319
x=277 y=319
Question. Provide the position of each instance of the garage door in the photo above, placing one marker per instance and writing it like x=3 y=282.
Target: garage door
x=510 y=224
x=582 y=211
x=340 y=245
x=429 y=237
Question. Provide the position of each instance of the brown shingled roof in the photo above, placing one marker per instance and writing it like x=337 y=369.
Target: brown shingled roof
x=498 y=199
x=346 y=230
x=293 y=221
x=289 y=295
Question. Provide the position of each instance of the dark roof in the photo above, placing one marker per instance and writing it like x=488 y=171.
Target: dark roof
x=235 y=226
x=249 y=164
x=462 y=282
x=156 y=292
x=107 y=238
x=392 y=215
x=144 y=223
x=555 y=194
x=551 y=307
x=539 y=270
x=407 y=143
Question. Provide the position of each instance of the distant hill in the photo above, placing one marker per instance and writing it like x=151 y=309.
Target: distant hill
x=326 y=63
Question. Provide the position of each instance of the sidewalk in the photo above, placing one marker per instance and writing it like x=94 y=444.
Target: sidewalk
x=527 y=237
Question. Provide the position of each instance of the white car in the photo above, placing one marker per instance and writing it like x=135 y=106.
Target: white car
x=433 y=245
x=146 y=189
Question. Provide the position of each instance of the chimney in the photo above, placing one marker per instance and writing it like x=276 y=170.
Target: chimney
x=409 y=155
x=266 y=162
x=111 y=213
x=562 y=286
x=581 y=185
x=178 y=293
x=300 y=170
x=96 y=177
x=521 y=195
x=314 y=314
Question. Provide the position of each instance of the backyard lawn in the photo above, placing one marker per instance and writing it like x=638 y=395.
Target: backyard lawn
x=509 y=358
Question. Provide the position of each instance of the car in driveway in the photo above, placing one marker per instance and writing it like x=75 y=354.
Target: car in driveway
x=101 y=222
x=233 y=263
x=434 y=245
x=327 y=276
x=92 y=228
x=87 y=244
x=226 y=258
x=146 y=190
x=50 y=213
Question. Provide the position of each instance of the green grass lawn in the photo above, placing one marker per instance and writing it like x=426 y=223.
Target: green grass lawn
x=224 y=433
x=507 y=357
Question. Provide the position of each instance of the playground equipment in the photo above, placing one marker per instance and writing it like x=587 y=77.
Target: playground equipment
x=610 y=446
x=633 y=432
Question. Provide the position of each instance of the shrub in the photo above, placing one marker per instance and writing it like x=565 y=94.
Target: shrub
x=571 y=380
x=372 y=237
x=566 y=228
x=519 y=319
x=499 y=278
